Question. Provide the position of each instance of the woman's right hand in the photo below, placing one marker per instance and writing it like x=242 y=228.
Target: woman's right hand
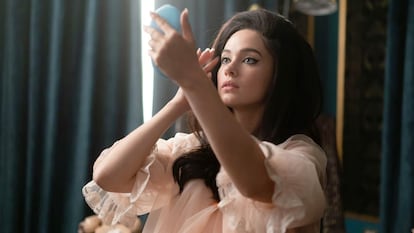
x=205 y=59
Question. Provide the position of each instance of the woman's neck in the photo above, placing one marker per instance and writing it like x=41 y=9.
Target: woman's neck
x=249 y=118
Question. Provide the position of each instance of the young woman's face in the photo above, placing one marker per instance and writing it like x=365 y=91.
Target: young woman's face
x=246 y=71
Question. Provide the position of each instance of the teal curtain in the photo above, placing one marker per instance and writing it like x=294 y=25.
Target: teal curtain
x=397 y=169
x=326 y=53
x=70 y=85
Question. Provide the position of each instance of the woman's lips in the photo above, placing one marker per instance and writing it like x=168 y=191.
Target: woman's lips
x=229 y=85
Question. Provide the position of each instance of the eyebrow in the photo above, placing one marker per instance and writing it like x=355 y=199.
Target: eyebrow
x=245 y=50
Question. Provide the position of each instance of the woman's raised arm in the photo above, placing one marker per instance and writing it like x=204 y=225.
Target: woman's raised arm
x=116 y=170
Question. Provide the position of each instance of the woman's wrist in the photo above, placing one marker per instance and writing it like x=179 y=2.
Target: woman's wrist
x=176 y=108
x=193 y=78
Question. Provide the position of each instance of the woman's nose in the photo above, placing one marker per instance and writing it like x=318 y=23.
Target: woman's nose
x=230 y=70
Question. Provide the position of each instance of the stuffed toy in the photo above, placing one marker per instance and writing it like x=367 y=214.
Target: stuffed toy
x=93 y=224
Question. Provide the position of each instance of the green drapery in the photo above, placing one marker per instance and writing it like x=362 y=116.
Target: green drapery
x=397 y=169
x=326 y=53
x=70 y=85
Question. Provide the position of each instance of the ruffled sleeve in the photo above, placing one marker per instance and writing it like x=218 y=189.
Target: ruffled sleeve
x=297 y=168
x=154 y=185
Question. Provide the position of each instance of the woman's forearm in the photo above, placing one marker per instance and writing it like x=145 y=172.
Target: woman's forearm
x=116 y=171
x=236 y=150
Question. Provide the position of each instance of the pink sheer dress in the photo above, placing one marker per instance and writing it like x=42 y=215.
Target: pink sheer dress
x=297 y=167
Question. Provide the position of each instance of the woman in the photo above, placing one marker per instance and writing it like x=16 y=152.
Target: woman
x=252 y=163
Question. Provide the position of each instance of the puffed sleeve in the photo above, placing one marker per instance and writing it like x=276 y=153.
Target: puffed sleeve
x=297 y=168
x=153 y=188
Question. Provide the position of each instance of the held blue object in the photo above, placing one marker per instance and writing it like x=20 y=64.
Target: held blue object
x=172 y=15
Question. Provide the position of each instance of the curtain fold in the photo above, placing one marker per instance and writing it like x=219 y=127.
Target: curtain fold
x=397 y=168
x=70 y=86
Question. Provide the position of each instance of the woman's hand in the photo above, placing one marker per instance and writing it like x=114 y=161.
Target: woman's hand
x=205 y=59
x=172 y=52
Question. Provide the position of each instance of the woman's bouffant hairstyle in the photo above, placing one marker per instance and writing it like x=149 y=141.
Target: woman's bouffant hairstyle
x=294 y=97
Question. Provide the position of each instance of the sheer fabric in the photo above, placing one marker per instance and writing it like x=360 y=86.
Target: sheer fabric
x=297 y=167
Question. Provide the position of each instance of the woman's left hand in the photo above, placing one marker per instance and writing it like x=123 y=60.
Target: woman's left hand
x=205 y=59
x=173 y=53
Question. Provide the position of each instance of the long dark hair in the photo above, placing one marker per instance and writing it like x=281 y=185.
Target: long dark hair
x=294 y=97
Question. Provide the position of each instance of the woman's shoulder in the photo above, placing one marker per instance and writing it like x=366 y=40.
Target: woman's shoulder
x=181 y=142
x=295 y=141
x=181 y=137
x=300 y=138
x=299 y=144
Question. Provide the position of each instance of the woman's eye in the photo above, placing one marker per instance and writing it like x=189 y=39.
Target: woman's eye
x=250 y=60
x=225 y=60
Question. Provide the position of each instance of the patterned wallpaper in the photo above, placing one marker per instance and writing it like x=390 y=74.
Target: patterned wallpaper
x=364 y=81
